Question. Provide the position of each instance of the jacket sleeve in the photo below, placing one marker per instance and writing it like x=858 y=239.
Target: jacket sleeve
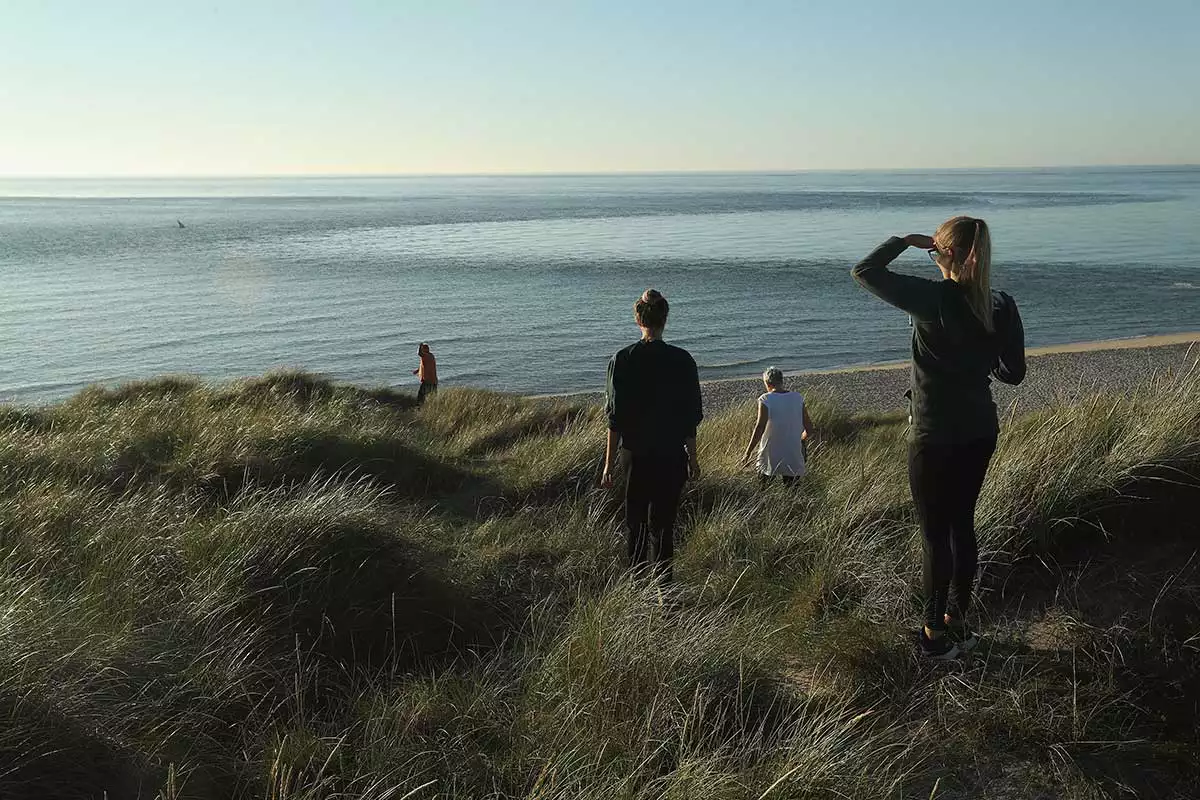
x=920 y=297
x=1010 y=363
x=695 y=400
x=610 y=397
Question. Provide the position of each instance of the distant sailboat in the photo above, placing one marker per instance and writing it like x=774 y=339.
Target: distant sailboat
x=180 y=222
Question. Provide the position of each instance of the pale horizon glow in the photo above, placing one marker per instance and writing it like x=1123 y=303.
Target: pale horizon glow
x=326 y=89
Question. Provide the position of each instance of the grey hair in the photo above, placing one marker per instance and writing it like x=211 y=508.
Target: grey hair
x=773 y=376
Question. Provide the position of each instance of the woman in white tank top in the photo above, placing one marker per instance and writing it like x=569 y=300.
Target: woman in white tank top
x=779 y=434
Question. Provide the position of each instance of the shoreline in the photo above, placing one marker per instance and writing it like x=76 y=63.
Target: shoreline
x=1075 y=368
x=1057 y=374
x=1145 y=342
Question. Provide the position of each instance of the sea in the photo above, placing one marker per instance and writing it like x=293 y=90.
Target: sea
x=527 y=283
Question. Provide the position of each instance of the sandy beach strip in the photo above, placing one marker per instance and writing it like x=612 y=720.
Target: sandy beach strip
x=1057 y=374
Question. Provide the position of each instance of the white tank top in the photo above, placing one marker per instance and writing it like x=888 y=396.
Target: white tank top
x=781 y=450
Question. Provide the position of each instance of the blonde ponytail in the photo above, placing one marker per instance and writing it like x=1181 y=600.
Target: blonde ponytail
x=973 y=273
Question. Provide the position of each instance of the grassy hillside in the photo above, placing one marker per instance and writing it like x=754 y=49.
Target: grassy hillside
x=289 y=589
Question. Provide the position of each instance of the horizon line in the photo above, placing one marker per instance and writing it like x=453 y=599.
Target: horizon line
x=571 y=173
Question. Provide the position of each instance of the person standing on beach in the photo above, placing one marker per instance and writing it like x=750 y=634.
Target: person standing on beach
x=962 y=332
x=426 y=372
x=782 y=428
x=654 y=406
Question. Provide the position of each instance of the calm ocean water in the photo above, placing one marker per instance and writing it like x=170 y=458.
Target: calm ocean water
x=526 y=283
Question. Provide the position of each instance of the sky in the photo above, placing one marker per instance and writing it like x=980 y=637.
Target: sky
x=532 y=86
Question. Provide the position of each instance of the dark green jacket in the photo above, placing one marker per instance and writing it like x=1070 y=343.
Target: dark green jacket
x=952 y=353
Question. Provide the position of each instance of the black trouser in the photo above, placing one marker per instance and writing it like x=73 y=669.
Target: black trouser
x=426 y=390
x=945 y=480
x=652 y=491
x=766 y=480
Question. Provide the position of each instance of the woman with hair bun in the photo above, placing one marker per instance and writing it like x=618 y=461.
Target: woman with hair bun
x=962 y=333
x=654 y=407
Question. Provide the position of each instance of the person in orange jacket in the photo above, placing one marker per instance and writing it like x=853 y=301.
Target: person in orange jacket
x=427 y=372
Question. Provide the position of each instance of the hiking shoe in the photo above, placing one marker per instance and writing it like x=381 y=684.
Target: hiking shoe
x=939 y=649
x=961 y=634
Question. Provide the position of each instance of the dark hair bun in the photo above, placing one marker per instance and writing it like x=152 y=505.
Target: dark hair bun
x=651 y=309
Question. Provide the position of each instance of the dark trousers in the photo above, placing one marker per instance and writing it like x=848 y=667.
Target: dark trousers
x=767 y=480
x=945 y=480
x=652 y=491
x=426 y=390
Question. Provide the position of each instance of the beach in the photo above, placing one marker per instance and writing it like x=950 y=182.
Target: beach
x=1058 y=374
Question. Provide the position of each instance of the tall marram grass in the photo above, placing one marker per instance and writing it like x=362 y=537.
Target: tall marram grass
x=285 y=588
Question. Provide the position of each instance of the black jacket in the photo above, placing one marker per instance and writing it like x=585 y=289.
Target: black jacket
x=952 y=353
x=653 y=398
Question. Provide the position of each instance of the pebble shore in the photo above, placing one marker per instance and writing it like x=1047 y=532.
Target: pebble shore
x=1052 y=378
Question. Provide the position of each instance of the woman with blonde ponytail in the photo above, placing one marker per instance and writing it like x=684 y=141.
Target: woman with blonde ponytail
x=974 y=274
x=963 y=332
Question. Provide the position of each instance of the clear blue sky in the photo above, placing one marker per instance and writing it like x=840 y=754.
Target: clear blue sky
x=395 y=86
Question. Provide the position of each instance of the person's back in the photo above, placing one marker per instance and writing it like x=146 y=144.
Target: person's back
x=780 y=431
x=781 y=451
x=427 y=372
x=954 y=355
x=653 y=396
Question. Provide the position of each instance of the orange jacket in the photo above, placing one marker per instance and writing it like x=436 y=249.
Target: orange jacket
x=428 y=369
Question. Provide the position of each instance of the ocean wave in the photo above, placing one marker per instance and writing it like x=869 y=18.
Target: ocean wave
x=731 y=364
x=1184 y=285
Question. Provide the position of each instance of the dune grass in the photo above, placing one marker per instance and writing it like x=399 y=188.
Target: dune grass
x=285 y=588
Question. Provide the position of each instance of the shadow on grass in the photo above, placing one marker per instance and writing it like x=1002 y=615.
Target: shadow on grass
x=1126 y=560
x=151 y=460
x=551 y=422
x=361 y=596
x=1028 y=718
x=45 y=754
x=849 y=429
x=1097 y=624
x=25 y=420
x=408 y=472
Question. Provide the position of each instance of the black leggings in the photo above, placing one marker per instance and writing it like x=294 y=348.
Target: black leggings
x=945 y=480
x=652 y=492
